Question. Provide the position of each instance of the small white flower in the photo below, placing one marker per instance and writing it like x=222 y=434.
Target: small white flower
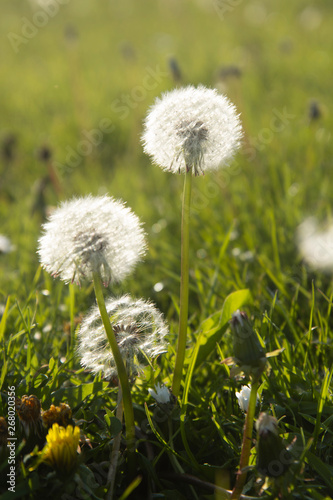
x=139 y=329
x=91 y=234
x=161 y=394
x=315 y=246
x=192 y=128
x=244 y=397
x=5 y=244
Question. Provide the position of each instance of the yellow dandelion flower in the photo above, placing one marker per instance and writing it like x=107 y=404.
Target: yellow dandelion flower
x=61 y=449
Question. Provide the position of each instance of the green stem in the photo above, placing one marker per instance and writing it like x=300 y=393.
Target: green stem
x=184 y=281
x=178 y=468
x=115 y=448
x=247 y=443
x=121 y=370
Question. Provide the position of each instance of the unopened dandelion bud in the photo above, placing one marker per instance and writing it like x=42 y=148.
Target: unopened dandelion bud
x=273 y=459
x=248 y=351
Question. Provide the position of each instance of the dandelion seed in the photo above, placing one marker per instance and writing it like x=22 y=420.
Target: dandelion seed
x=315 y=246
x=139 y=329
x=192 y=128
x=91 y=234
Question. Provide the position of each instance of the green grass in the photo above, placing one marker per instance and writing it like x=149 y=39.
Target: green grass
x=57 y=88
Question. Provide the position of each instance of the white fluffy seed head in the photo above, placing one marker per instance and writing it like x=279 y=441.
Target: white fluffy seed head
x=139 y=328
x=315 y=245
x=5 y=244
x=91 y=234
x=192 y=128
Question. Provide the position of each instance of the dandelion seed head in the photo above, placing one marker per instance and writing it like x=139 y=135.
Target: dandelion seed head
x=90 y=234
x=139 y=329
x=192 y=127
x=5 y=244
x=315 y=245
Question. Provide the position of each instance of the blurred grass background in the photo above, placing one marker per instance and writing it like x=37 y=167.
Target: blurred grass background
x=95 y=65
x=91 y=64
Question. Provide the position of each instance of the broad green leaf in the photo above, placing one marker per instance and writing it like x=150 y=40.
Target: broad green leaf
x=325 y=471
x=112 y=422
x=234 y=301
x=214 y=327
x=76 y=394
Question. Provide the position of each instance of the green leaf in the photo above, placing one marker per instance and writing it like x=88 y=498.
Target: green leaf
x=4 y=320
x=321 y=401
x=76 y=394
x=325 y=471
x=234 y=301
x=51 y=364
x=134 y=484
x=214 y=327
x=112 y=422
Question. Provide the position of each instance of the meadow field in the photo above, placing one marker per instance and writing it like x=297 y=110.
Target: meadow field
x=78 y=79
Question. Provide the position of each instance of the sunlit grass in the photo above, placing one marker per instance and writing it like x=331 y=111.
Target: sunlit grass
x=242 y=236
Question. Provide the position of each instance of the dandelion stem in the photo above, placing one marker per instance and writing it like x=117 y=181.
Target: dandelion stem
x=247 y=442
x=115 y=448
x=121 y=370
x=184 y=281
